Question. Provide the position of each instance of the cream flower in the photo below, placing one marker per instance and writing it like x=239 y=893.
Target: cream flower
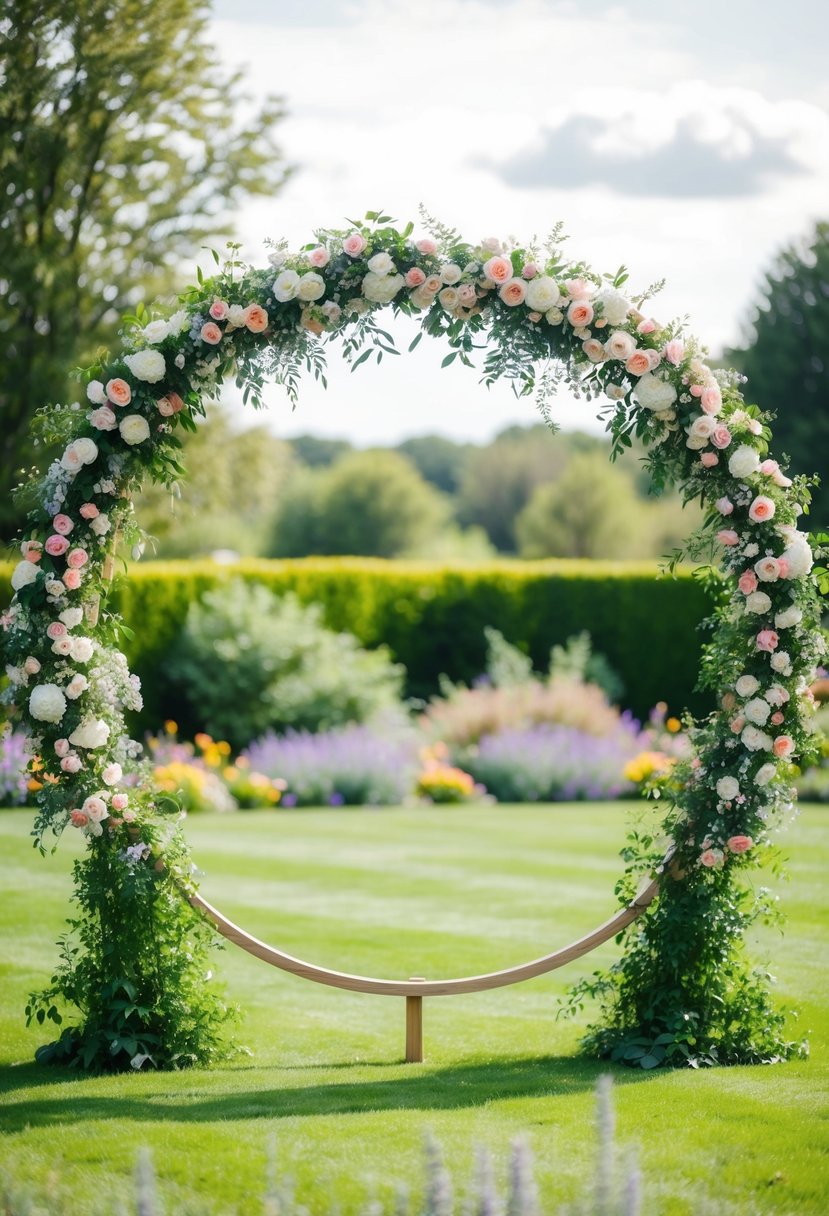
x=382 y=288
x=311 y=287
x=743 y=461
x=757 y=710
x=542 y=293
x=728 y=788
x=286 y=286
x=92 y=733
x=47 y=703
x=147 y=365
x=23 y=574
x=653 y=393
x=134 y=429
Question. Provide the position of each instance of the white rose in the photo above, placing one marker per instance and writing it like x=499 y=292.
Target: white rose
x=615 y=307
x=381 y=289
x=381 y=264
x=781 y=662
x=728 y=788
x=62 y=646
x=797 y=554
x=421 y=298
x=757 y=710
x=788 y=617
x=450 y=273
x=277 y=259
x=743 y=461
x=653 y=393
x=147 y=365
x=55 y=588
x=765 y=774
x=620 y=345
x=100 y=525
x=754 y=739
x=178 y=321
x=87 y=449
x=542 y=293
x=95 y=807
x=696 y=442
x=92 y=733
x=777 y=695
x=112 y=774
x=24 y=573
x=47 y=703
x=758 y=602
x=747 y=686
x=286 y=286
x=767 y=569
x=95 y=392
x=235 y=316
x=311 y=287
x=156 y=332
x=71 y=617
x=448 y=297
x=554 y=316
x=703 y=426
x=76 y=686
x=82 y=649
x=134 y=429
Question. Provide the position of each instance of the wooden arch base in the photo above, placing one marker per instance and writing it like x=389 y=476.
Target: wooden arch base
x=416 y=988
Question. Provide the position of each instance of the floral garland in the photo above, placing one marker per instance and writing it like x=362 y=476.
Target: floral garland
x=540 y=319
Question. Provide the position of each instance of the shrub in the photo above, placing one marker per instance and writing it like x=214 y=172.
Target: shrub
x=354 y=766
x=250 y=662
x=546 y=763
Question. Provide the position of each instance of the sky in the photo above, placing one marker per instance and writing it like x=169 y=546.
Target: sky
x=689 y=142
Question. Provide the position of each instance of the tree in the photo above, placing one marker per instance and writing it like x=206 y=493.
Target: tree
x=317 y=451
x=120 y=153
x=591 y=511
x=372 y=503
x=438 y=459
x=786 y=357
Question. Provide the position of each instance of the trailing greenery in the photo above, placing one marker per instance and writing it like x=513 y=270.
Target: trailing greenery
x=433 y=617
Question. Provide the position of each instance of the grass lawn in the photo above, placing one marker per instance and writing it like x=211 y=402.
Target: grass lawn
x=402 y=893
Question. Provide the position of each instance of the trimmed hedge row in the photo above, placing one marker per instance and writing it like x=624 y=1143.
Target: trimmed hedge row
x=432 y=617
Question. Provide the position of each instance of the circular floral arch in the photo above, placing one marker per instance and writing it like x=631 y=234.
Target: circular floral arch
x=134 y=967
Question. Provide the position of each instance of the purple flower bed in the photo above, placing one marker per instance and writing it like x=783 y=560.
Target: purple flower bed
x=548 y=763
x=14 y=784
x=353 y=766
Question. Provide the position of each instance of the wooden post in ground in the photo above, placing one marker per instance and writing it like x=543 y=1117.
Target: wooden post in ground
x=414 y=1026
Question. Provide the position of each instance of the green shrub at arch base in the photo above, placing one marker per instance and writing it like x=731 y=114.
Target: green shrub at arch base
x=132 y=976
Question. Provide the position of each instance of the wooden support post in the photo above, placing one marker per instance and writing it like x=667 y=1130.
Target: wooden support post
x=414 y=1026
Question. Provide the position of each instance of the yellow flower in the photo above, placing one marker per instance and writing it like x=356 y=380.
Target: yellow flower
x=171 y=727
x=673 y=725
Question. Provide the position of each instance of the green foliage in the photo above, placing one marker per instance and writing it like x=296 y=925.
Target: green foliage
x=372 y=503
x=786 y=356
x=438 y=459
x=119 y=156
x=135 y=964
x=248 y=662
x=576 y=660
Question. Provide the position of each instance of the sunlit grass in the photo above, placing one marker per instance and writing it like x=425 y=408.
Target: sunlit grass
x=401 y=893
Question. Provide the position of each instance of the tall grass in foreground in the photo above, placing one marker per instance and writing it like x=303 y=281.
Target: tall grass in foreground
x=612 y=1191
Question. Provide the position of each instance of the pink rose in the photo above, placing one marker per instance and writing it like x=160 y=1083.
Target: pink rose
x=513 y=292
x=724 y=505
x=354 y=244
x=498 y=269
x=76 y=559
x=739 y=844
x=31 y=551
x=256 y=319
x=415 y=277
x=709 y=460
x=721 y=437
x=79 y=819
x=62 y=524
x=119 y=392
x=783 y=563
x=648 y=326
x=580 y=313
x=466 y=295
x=638 y=364
x=319 y=257
x=594 y=349
x=529 y=271
x=130 y=816
x=674 y=351
x=170 y=404
x=761 y=509
x=755 y=426
x=737 y=725
x=709 y=858
x=425 y=245
x=729 y=701
x=768 y=569
x=783 y=746
x=218 y=310
x=748 y=582
x=61 y=747
x=770 y=468
x=120 y=802
x=210 y=333
x=777 y=718
x=71 y=763
x=56 y=630
x=72 y=580
x=103 y=419
x=711 y=400
x=578 y=289
x=695 y=390
x=88 y=510
x=727 y=536
x=112 y=774
x=62 y=646
x=767 y=640
x=31 y=666
x=56 y=545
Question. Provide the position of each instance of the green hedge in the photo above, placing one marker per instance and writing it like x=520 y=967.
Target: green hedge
x=432 y=616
